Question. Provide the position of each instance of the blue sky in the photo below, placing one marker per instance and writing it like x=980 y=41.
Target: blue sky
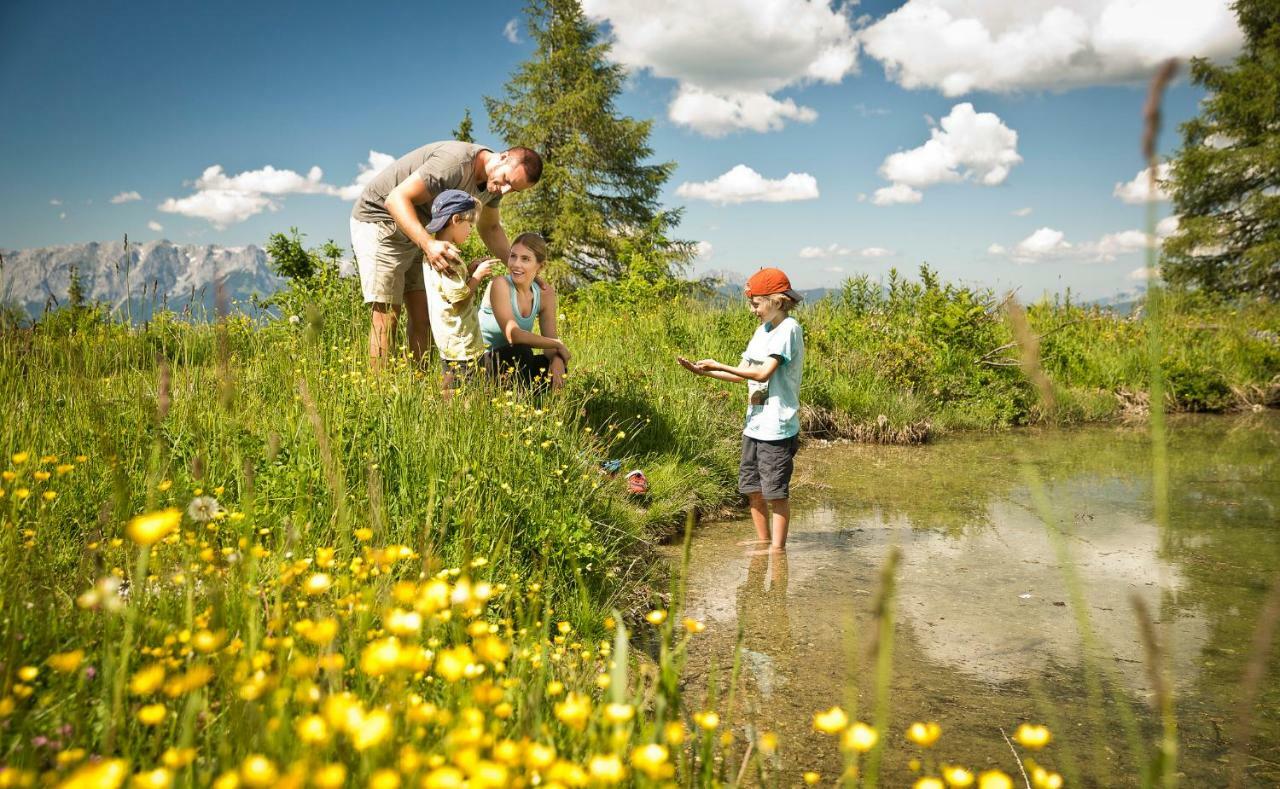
x=104 y=100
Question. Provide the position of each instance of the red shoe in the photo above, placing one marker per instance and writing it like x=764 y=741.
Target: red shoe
x=637 y=485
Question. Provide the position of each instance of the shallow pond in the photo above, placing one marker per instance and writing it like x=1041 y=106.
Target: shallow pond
x=986 y=634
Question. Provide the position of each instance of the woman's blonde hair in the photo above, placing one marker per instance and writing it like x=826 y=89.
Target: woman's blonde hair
x=535 y=243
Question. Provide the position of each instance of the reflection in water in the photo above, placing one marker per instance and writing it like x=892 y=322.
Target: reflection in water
x=986 y=633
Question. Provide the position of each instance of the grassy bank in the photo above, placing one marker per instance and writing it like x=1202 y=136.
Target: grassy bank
x=339 y=572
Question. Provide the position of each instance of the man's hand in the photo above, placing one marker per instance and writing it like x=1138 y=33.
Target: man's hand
x=441 y=254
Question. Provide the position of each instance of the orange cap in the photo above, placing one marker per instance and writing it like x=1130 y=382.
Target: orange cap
x=768 y=281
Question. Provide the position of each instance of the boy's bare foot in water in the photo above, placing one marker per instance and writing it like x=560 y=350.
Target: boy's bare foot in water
x=769 y=550
x=749 y=543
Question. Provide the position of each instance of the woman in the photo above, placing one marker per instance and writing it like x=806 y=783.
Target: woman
x=511 y=305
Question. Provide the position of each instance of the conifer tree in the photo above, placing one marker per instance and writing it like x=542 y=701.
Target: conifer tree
x=464 y=132
x=1226 y=178
x=598 y=198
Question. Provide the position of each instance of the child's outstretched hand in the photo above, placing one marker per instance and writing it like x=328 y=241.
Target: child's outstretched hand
x=483 y=268
x=690 y=366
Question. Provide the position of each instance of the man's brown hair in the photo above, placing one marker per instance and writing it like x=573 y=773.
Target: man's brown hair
x=529 y=160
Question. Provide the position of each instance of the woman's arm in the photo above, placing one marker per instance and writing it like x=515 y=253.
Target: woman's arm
x=500 y=300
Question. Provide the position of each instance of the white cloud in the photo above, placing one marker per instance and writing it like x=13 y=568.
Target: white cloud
x=55 y=201
x=1021 y=212
x=896 y=194
x=966 y=146
x=703 y=250
x=876 y=252
x=1112 y=245
x=1139 y=189
x=729 y=56
x=744 y=185
x=829 y=251
x=224 y=200
x=1143 y=273
x=62 y=215
x=126 y=197
x=1167 y=226
x=221 y=207
x=1045 y=242
x=377 y=163
x=716 y=114
x=959 y=46
x=155 y=226
x=996 y=249
x=511 y=31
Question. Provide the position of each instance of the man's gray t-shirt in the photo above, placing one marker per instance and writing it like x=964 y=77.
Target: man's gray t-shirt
x=440 y=165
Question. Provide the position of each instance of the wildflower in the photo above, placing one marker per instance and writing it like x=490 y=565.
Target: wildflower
x=329 y=776
x=106 y=774
x=373 y=729
x=401 y=622
x=451 y=664
x=1033 y=737
x=606 y=769
x=20 y=457
x=147 y=530
x=812 y=777
x=693 y=625
x=49 y=495
x=574 y=711
x=159 y=778
x=318 y=633
x=707 y=720
x=957 y=777
x=1044 y=779
x=674 y=733
x=258 y=771
x=41 y=476
x=444 y=778
x=493 y=649
x=317 y=584
x=564 y=628
x=207 y=642
x=196 y=677
x=164 y=485
x=28 y=673
x=538 y=756
x=994 y=779
x=833 y=721
x=380 y=657
x=22 y=493
x=152 y=714
x=924 y=734
x=147 y=680
x=859 y=737
x=364 y=534
x=651 y=760
x=656 y=617
x=619 y=713
x=177 y=758
x=554 y=688
x=64 y=468
x=203 y=509
x=928 y=782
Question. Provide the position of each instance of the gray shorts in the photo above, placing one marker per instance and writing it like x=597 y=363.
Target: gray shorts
x=766 y=467
x=390 y=264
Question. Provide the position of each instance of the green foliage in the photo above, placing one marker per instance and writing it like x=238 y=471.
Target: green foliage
x=1226 y=178
x=465 y=132
x=289 y=258
x=597 y=193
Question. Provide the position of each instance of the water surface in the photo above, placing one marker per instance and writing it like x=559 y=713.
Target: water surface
x=986 y=633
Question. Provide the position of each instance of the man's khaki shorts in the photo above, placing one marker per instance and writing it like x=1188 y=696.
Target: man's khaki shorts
x=390 y=264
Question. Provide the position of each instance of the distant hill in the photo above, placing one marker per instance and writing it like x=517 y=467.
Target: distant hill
x=154 y=275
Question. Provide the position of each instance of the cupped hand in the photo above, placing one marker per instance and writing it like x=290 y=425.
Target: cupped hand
x=483 y=268
x=441 y=254
x=688 y=365
x=563 y=351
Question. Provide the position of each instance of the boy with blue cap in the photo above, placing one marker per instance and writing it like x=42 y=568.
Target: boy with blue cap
x=452 y=303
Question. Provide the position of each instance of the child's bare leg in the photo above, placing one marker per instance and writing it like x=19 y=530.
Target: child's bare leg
x=781 y=521
x=759 y=518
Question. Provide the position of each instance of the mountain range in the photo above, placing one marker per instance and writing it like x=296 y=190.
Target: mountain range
x=145 y=278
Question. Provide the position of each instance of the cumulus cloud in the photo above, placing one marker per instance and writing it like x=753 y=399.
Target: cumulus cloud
x=126 y=197
x=1047 y=243
x=896 y=194
x=959 y=46
x=1021 y=212
x=511 y=31
x=1139 y=189
x=744 y=185
x=1042 y=243
x=965 y=146
x=224 y=200
x=1144 y=273
x=155 y=226
x=1167 y=226
x=996 y=249
x=729 y=56
x=703 y=250
x=876 y=252
x=829 y=251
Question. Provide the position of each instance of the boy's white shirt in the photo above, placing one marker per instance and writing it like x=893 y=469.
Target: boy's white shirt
x=455 y=313
x=773 y=406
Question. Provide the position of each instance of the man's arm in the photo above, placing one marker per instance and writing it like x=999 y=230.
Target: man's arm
x=489 y=226
x=401 y=203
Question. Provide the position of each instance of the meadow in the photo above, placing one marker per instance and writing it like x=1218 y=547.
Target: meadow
x=232 y=555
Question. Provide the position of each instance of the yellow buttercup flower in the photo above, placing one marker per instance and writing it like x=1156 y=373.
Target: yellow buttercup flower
x=928 y=782
x=1033 y=737
x=693 y=625
x=811 y=777
x=28 y=673
x=159 y=778
x=147 y=530
x=444 y=778
x=312 y=729
x=106 y=774
x=768 y=743
x=957 y=777
x=373 y=729
x=317 y=584
x=1044 y=779
x=152 y=714
x=451 y=664
x=574 y=711
x=652 y=760
x=994 y=779
x=924 y=734
x=707 y=720
x=833 y=721
x=329 y=776
x=606 y=769
x=147 y=680
x=656 y=617
x=258 y=771
x=619 y=713
x=380 y=657
x=859 y=737
x=20 y=457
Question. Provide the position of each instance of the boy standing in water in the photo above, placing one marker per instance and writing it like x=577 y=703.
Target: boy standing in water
x=771 y=368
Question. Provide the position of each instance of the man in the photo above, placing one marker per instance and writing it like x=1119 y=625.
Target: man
x=390 y=239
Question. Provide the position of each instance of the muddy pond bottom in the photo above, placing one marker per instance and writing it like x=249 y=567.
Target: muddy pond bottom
x=998 y=619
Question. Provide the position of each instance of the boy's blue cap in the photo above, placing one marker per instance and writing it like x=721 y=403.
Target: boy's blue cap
x=446 y=204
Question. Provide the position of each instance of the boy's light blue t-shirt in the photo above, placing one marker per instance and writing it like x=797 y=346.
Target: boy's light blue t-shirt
x=773 y=406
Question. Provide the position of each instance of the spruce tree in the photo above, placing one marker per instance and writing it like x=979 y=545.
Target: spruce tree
x=598 y=198
x=1226 y=178
x=464 y=132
